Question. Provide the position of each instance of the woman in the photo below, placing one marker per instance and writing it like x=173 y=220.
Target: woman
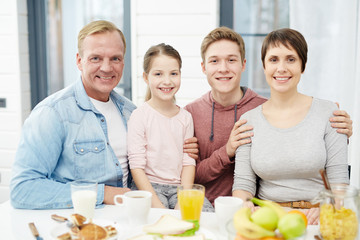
x=293 y=138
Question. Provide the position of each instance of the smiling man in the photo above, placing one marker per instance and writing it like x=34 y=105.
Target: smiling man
x=216 y=114
x=78 y=132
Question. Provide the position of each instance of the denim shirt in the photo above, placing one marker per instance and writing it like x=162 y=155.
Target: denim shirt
x=65 y=138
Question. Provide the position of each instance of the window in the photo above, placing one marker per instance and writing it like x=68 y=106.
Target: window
x=254 y=19
x=53 y=30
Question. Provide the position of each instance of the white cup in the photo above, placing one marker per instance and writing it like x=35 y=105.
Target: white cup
x=225 y=208
x=137 y=206
x=83 y=196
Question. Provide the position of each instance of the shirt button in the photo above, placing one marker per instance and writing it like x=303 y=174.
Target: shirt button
x=117 y=164
x=96 y=148
x=102 y=120
x=107 y=143
x=81 y=150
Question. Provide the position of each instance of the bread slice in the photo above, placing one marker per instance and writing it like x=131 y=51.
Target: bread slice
x=168 y=224
x=195 y=237
x=78 y=219
x=144 y=237
x=92 y=231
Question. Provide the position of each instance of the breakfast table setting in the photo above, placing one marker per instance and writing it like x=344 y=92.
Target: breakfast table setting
x=132 y=218
x=14 y=223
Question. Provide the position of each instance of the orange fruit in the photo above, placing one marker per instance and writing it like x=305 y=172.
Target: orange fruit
x=301 y=214
x=239 y=237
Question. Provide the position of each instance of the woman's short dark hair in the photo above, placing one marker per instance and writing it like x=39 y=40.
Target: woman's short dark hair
x=289 y=38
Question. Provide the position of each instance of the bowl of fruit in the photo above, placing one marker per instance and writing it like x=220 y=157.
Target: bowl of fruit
x=269 y=222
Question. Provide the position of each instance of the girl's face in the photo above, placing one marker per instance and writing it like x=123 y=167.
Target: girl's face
x=163 y=78
x=282 y=68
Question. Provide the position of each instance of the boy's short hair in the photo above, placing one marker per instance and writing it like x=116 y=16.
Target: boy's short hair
x=99 y=26
x=223 y=33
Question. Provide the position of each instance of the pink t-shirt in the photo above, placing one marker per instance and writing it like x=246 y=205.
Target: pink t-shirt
x=155 y=143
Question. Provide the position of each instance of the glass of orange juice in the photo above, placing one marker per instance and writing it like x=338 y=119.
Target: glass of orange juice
x=191 y=200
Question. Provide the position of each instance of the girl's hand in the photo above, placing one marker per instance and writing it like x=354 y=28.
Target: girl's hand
x=312 y=216
x=177 y=206
x=157 y=204
x=191 y=147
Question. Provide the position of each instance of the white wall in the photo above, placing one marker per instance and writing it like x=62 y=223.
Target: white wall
x=332 y=71
x=182 y=24
x=355 y=139
x=14 y=83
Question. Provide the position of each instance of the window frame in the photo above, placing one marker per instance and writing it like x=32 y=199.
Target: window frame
x=38 y=53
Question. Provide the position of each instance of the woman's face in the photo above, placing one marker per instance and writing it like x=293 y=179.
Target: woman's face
x=282 y=68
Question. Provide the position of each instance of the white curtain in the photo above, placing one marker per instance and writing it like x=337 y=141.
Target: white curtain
x=331 y=29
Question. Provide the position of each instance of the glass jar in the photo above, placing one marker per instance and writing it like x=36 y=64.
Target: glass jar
x=341 y=219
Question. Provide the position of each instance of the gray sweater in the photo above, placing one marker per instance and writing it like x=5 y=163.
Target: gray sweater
x=287 y=161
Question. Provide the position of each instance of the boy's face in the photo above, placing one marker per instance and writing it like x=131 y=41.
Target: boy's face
x=223 y=67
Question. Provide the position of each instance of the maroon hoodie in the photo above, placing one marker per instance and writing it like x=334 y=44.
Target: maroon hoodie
x=213 y=124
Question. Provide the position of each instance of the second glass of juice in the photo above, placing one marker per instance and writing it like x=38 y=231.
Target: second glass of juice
x=191 y=200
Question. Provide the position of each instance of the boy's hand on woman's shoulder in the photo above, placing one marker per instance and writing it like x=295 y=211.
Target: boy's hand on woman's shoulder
x=240 y=135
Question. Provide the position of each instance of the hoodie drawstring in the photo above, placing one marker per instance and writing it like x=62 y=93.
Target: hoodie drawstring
x=235 y=113
x=212 y=123
x=212 y=120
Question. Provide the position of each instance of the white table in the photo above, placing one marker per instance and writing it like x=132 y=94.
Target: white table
x=14 y=222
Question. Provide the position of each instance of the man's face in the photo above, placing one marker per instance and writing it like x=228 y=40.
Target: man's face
x=101 y=64
x=223 y=67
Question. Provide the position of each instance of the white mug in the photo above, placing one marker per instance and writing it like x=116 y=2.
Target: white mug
x=225 y=208
x=137 y=205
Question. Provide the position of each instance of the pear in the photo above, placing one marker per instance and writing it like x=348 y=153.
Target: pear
x=265 y=217
x=291 y=226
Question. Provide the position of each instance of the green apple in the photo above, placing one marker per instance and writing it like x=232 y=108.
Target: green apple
x=265 y=217
x=291 y=226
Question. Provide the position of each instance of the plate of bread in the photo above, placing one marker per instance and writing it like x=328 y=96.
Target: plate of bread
x=79 y=228
x=169 y=227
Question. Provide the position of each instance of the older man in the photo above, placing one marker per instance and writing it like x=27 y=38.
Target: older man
x=78 y=132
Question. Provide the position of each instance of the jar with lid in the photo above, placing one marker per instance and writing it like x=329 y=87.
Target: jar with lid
x=339 y=212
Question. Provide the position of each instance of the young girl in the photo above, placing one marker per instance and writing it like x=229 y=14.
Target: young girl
x=157 y=130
